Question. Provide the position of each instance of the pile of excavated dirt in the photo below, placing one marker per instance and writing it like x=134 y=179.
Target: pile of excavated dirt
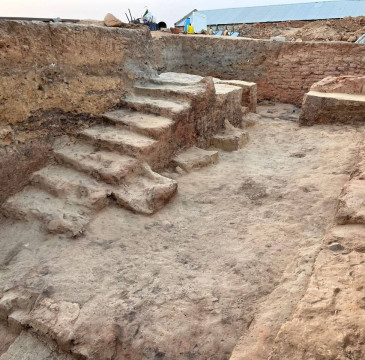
x=346 y=29
x=231 y=254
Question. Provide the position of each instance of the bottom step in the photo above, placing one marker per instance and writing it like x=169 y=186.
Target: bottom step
x=195 y=158
x=28 y=347
x=146 y=193
x=58 y=216
x=230 y=139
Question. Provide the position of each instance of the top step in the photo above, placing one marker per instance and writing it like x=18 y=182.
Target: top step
x=169 y=90
x=225 y=89
x=176 y=78
x=158 y=106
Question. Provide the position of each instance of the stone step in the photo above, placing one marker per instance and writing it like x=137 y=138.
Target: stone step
x=145 y=124
x=28 y=347
x=230 y=139
x=110 y=167
x=57 y=215
x=168 y=108
x=176 y=78
x=122 y=140
x=222 y=89
x=170 y=91
x=195 y=158
x=249 y=92
x=80 y=188
x=146 y=193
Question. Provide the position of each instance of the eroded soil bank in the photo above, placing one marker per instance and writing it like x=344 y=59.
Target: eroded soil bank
x=230 y=255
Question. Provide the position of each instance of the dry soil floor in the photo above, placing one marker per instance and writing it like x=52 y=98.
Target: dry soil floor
x=230 y=255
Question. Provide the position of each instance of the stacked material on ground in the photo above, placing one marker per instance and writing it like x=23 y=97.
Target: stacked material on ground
x=335 y=100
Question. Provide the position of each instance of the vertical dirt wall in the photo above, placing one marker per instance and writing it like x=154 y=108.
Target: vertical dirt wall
x=283 y=70
x=54 y=80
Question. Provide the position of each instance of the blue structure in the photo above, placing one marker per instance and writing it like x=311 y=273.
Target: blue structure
x=187 y=23
x=276 y=13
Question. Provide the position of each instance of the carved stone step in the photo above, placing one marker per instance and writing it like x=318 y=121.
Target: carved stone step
x=28 y=347
x=108 y=166
x=176 y=78
x=122 y=140
x=171 y=91
x=230 y=139
x=146 y=124
x=249 y=92
x=57 y=215
x=80 y=188
x=167 y=108
x=195 y=158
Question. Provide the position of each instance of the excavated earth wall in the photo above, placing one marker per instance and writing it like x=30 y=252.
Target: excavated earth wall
x=282 y=70
x=54 y=79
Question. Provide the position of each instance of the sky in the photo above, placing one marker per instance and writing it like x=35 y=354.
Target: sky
x=168 y=11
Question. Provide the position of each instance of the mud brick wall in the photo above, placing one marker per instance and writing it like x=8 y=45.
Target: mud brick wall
x=282 y=70
x=54 y=80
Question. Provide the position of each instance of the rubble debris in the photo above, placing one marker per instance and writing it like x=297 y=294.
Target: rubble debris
x=111 y=21
x=347 y=29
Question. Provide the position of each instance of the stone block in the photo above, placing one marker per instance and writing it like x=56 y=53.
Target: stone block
x=230 y=139
x=249 y=92
x=324 y=108
x=195 y=158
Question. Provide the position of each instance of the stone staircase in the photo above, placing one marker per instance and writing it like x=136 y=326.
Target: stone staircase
x=113 y=159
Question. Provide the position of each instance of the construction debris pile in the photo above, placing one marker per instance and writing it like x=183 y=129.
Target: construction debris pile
x=346 y=29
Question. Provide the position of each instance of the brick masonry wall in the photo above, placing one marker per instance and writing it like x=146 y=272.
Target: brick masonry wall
x=282 y=70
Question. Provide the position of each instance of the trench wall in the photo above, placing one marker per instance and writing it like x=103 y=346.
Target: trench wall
x=56 y=79
x=282 y=70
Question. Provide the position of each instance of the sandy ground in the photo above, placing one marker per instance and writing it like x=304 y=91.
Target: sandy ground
x=188 y=282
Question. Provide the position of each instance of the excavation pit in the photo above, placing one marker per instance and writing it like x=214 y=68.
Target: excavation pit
x=146 y=257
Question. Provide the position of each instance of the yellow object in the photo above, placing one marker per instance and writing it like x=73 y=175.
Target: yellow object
x=191 y=29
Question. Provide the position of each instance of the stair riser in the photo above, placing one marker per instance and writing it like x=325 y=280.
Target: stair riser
x=113 y=179
x=155 y=134
x=165 y=94
x=162 y=82
x=152 y=109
